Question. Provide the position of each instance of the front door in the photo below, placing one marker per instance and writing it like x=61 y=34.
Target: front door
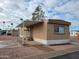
x=29 y=34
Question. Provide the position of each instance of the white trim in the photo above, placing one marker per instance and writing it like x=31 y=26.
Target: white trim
x=20 y=35
x=63 y=41
x=40 y=41
x=48 y=42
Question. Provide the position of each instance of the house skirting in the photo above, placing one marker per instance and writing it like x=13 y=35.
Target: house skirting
x=48 y=42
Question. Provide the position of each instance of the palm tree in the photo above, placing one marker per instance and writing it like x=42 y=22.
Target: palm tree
x=11 y=28
x=3 y=24
x=3 y=21
x=21 y=19
x=12 y=25
x=8 y=26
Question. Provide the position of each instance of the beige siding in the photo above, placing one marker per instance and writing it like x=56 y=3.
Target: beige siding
x=67 y=32
x=40 y=31
x=51 y=35
x=44 y=31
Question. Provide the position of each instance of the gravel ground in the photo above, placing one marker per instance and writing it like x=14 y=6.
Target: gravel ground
x=12 y=53
x=5 y=37
x=28 y=50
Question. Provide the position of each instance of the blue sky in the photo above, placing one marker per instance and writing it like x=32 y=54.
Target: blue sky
x=12 y=10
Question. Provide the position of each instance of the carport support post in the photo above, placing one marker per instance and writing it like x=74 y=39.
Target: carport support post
x=23 y=39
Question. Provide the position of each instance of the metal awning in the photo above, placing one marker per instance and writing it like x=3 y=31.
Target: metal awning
x=29 y=23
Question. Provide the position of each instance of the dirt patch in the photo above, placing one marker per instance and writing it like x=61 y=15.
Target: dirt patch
x=43 y=48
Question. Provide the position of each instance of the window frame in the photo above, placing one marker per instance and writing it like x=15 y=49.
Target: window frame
x=57 y=26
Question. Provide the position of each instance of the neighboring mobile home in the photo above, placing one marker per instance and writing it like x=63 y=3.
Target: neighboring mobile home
x=48 y=32
x=74 y=33
x=12 y=32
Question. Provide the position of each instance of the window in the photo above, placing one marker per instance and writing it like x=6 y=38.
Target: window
x=59 y=29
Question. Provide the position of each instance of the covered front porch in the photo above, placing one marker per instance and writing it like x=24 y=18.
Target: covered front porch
x=25 y=30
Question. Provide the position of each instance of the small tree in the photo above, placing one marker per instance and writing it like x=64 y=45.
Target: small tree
x=33 y=17
x=38 y=14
